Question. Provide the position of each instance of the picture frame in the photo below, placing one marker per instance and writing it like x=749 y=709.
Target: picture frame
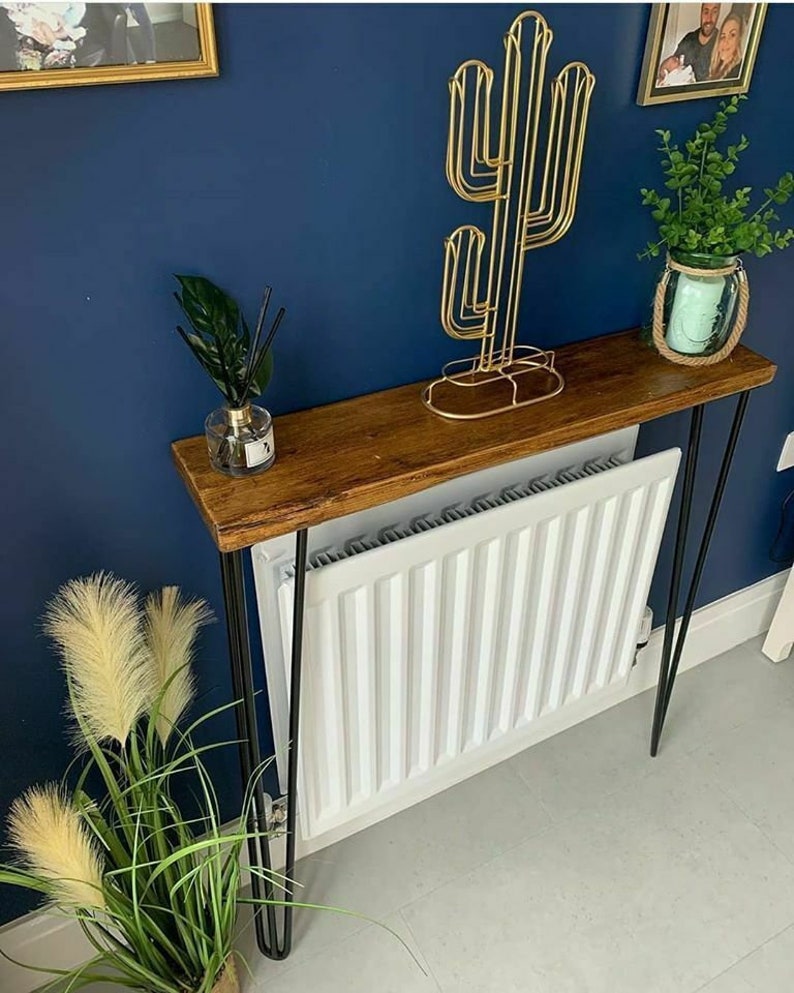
x=87 y=44
x=702 y=50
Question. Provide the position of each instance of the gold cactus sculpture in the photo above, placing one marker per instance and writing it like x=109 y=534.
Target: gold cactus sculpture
x=533 y=190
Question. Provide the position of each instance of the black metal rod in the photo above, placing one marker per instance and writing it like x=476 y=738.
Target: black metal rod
x=301 y=545
x=247 y=731
x=265 y=922
x=714 y=510
x=684 y=514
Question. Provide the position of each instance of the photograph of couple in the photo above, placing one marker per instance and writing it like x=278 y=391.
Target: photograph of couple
x=697 y=50
x=60 y=41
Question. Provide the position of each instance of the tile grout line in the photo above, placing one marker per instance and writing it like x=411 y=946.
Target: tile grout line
x=398 y=908
x=424 y=954
x=743 y=958
x=553 y=825
x=749 y=817
x=746 y=814
x=290 y=965
x=476 y=868
x=516 y=773
x=687 y=757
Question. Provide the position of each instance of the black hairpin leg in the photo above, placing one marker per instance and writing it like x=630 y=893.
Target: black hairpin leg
x=673 y=647
x=265 y=917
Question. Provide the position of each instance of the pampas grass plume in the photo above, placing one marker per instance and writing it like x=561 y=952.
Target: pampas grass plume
x=171 y=628
x=53 y=841
x=97 y=627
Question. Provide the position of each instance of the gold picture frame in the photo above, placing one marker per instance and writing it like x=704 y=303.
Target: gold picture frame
x=685 y=45
x=98 y=43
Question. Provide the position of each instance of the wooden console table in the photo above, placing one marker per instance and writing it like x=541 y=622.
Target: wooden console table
x=352 y=455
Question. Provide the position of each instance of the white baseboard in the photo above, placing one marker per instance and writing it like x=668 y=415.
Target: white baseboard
x=43 y=940
x=46 y=940
x=715 y=628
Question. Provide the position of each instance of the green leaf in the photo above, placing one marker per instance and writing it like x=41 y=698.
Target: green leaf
x=221 y=339
x=209 y=309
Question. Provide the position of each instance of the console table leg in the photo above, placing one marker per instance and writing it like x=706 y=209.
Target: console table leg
x=248 y=734
x=267 y=935
x=693 y=449
x=671 y=654
x=301 y=545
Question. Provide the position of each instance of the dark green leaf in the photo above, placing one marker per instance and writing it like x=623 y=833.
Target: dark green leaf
x=221 y=339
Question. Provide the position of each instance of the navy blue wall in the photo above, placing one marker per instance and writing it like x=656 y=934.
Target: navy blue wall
x=315 y=163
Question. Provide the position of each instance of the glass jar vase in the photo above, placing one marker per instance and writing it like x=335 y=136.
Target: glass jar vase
x=700 y=301
x=240 y=440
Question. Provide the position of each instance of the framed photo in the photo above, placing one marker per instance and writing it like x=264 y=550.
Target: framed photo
x=698 y=50
x=79 y=44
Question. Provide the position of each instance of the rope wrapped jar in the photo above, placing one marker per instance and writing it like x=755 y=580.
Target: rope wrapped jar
x=700 y=308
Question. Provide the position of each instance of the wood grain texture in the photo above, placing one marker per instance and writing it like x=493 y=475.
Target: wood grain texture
x=359 y=453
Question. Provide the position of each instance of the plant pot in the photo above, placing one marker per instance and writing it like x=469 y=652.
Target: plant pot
x=700 y=308
x=240 y=440
x=228 y=981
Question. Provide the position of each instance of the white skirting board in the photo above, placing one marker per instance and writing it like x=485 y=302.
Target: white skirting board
x=45 y=940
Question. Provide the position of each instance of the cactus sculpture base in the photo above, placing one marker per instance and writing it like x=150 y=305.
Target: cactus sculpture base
x=530 y=378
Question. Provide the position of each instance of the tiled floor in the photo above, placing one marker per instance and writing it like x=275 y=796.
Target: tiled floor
x=582 y=865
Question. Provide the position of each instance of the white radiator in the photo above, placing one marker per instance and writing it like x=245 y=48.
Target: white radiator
x=444 y=630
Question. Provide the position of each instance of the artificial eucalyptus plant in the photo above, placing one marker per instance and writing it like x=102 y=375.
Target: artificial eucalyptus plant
x=239 y=364
x=697 y=215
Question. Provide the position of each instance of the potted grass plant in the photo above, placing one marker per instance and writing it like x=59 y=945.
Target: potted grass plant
x=240 y=433
x=701 y=301
x=154 y=888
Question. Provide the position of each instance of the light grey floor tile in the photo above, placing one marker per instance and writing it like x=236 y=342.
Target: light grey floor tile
x=660 y=886
x=609 y=752
x=753 y=765
x=379 y=870
x=368 y=961
x=726 y=692
x=613 y=960
x=600 y=756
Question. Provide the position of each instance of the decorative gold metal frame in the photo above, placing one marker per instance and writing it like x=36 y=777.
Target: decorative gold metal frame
x=544 y=210
x=650 y=93
x=205 y=65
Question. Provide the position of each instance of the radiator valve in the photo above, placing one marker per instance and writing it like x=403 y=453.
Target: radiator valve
x=644 y=634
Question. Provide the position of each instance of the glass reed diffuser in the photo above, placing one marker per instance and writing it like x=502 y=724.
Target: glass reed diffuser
x=240 y=433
